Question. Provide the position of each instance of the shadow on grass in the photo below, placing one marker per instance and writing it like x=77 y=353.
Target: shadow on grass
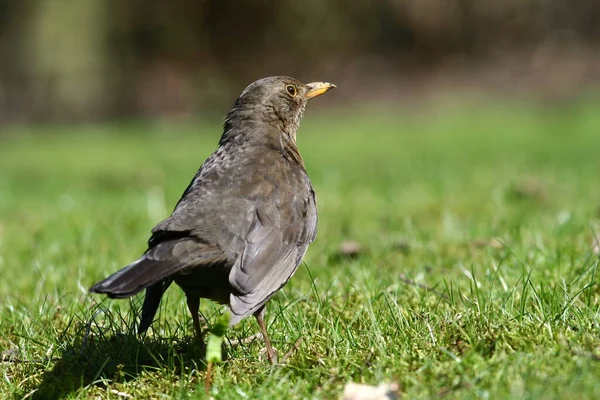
x=96 y=358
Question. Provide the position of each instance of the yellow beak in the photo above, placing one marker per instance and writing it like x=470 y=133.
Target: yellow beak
x=317 y=88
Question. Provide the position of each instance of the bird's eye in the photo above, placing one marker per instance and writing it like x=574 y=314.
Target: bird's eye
x=291 y=89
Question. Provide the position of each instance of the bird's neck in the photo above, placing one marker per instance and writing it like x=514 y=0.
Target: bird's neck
x=242 y=126
x=289 y=147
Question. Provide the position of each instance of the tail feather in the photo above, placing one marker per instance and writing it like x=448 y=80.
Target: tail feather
x=154 y=272
x=151 y=302
x=135 y=277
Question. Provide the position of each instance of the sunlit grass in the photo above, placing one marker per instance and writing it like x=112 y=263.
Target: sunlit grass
x=476 y=278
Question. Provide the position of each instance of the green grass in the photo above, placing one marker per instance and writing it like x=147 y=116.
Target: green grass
x=477 y=277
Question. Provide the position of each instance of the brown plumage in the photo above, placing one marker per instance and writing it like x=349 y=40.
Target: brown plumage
x=241 y=228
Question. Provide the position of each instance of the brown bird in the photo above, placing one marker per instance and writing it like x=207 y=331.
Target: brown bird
x=242 y=226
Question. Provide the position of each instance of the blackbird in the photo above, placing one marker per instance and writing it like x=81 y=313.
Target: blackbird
x=242 y=226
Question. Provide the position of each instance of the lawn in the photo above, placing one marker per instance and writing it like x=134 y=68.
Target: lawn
x=476 y=277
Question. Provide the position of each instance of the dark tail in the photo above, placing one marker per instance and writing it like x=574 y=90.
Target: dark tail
x=135 y=277
x=144 y=273
x=156 y=275
x=151 y=302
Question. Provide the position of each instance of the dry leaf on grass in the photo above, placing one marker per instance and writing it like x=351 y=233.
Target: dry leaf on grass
x=357 y=391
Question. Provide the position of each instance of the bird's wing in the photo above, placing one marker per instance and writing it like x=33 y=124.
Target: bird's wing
x=271 y=254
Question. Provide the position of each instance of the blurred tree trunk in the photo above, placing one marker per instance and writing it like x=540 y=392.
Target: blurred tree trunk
x=12 y=80
x=67 y=58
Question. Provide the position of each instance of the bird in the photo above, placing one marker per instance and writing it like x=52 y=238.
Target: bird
x=244 y=223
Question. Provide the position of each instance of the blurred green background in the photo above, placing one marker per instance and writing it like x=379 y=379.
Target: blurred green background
x=97 y=59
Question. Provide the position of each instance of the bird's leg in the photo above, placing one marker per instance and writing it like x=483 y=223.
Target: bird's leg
x=193 y=304
x=260 y=318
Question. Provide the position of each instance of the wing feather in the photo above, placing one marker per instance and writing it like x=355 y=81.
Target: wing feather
x=271 y=255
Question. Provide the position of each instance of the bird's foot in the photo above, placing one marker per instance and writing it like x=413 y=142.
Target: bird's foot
x=247 y=340
x=269 y=354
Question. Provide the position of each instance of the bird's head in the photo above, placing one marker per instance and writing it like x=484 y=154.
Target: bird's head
x=277 y=100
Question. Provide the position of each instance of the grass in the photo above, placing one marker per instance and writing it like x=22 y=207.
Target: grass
x=476 y=279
